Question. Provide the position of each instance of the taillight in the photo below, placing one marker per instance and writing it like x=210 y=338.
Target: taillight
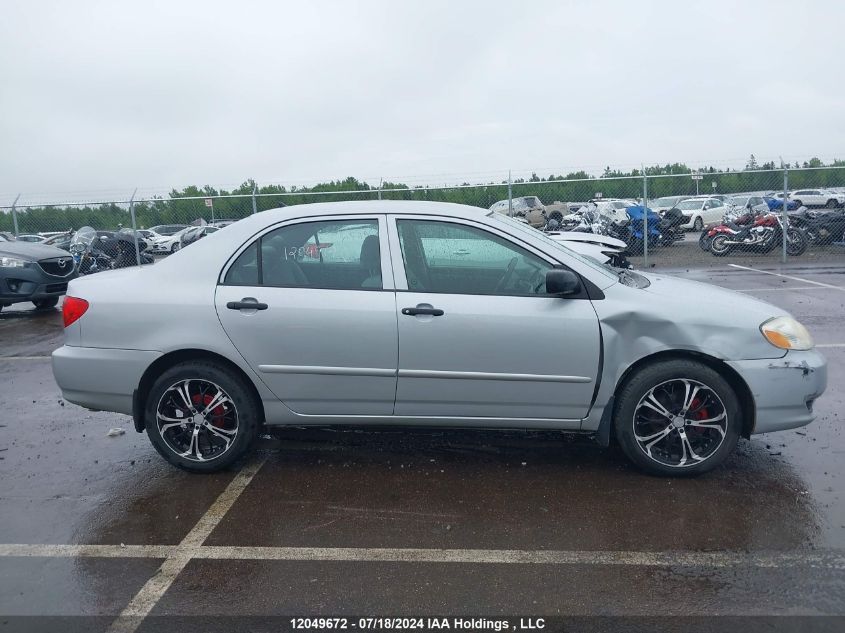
x=72 y=309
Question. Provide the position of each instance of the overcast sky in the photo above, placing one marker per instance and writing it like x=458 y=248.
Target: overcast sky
x=107 y=96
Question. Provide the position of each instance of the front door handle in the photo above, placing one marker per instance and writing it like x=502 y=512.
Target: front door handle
x=418 y=310
x=247 y=303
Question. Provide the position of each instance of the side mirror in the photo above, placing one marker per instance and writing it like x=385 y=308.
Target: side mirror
x=562 y=283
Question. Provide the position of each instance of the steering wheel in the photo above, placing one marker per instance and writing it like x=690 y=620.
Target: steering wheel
x=503 y=282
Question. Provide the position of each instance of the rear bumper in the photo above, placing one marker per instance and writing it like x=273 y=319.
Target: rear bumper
x=102 y=379
x=784 y=389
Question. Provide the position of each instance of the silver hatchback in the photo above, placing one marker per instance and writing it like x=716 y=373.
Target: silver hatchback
x=413 y=313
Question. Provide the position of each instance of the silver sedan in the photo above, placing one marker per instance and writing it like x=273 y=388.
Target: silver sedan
x=414 y=313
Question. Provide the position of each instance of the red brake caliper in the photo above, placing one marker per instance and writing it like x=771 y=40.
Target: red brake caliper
x=701 y=414
x=217 y=413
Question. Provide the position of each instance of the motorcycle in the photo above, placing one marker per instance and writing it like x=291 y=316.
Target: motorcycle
x=87 y=256
x=821 y=227
x=121 y=248
x=642 y=220
x=742 y=220
x=670 y=226
x=762 y=235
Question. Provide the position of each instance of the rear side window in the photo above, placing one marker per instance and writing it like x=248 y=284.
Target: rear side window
x=244 y=272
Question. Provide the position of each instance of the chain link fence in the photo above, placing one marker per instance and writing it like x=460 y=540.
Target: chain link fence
x=688 y=220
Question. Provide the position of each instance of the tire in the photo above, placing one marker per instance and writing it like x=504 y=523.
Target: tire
x=709 y=428
x=704 y=241
x=832 y=204
x=44 y=304
x=718 y=246
x=219 y=438
x=796 y=242
x=174 y=248
x=698 y=224
x=798 y=204
x=557 y=216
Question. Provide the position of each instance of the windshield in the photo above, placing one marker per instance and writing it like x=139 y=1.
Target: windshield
x=737 y=201
x=690 y=205
x=527 y=230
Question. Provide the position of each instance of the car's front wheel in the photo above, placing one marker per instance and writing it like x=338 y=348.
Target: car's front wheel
x=43 y=304
x=677 y=418
x=201 y=416
x=698 y=224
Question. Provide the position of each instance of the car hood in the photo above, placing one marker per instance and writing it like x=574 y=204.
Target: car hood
x=30 y=251
x=673 y=313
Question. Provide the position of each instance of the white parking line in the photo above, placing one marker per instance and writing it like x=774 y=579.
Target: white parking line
x=86 y=551
x=175 y=554
x=24 y=357
x=801 y=279
x=787 y=288
x=830 y=345
x=145 y=600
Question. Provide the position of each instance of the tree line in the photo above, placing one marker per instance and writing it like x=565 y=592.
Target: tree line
x=188 y=204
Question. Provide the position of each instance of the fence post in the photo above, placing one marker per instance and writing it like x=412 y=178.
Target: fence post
x=784 y=219
x=510 y=195
x=254 y=190
x=134 y=227
x=380 y=182
x=645 y=219
x=15 y=215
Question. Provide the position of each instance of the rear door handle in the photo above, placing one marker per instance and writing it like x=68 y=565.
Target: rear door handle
x=247 y=303
x=416 y=311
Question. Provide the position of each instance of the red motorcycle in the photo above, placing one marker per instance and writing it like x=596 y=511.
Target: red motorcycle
x=762 y=235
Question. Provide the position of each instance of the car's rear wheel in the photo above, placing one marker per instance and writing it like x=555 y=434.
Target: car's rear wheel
x=201 y=416
x=43 y=304
x=832 y=204
x=677 y=418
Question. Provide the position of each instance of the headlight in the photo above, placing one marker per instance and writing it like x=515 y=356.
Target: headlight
x=787 y=333
x=11 y=262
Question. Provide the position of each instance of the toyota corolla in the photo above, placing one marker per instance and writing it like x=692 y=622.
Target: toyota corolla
x=409 y=313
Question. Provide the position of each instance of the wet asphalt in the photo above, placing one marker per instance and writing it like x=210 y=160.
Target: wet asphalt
x=66 y=481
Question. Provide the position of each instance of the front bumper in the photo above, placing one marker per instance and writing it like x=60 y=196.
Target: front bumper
x=784 y=389
x=29 y=283
x=101 y=379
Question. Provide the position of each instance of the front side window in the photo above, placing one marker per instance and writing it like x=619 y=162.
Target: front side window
x=451 y=258
x=334 y=254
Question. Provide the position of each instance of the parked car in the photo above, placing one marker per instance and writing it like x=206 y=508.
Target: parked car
x=33 y=272
x=528 y=207
x=60 y=240
x=167 y=229
x=775 y=202
x=661 y=205
x=700 y=211
x=169 y=243
x=817 y=198
x=744 y=204
x=193 y=234
x=35 y=239
x=222 y=223
x=304 y=316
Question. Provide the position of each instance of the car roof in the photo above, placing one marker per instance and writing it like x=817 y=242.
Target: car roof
x=361 y=207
